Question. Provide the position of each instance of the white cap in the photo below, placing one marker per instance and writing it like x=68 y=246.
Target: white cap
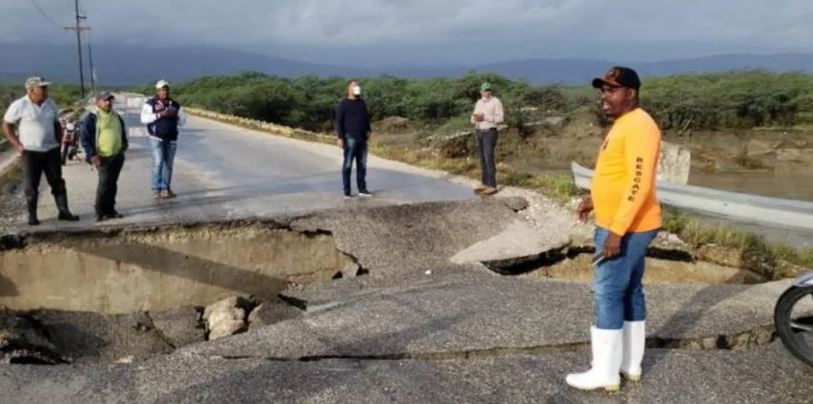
x=36 y=81
x=161 y=84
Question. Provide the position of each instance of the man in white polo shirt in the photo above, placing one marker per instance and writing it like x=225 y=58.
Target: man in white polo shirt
x=32 y=126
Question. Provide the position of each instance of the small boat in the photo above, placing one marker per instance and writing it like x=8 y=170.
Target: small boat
x=733 y=206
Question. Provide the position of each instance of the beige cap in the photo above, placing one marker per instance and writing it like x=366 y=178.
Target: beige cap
x=35 y=81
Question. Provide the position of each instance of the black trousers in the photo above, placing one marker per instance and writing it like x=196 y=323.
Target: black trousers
x=106 y=191
x=35 y=164
x=486 y=144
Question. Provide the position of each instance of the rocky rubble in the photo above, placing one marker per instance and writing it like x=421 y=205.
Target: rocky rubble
x=226 y=317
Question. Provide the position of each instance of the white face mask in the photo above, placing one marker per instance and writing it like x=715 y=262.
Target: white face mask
x=357 y=90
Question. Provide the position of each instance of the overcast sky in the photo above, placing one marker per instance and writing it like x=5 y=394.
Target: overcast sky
x=384 y=32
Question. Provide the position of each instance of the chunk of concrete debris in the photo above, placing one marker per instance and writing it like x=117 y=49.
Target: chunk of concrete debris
x=180 y=326
x=351 y=270
x=271 y=313
x=519 y=242
x=674 y=163
x=126 y=359
x=515 y=203
x=226 y=317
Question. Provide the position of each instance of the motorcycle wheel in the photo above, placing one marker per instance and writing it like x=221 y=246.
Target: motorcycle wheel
x=795 y=327
x=64 y=154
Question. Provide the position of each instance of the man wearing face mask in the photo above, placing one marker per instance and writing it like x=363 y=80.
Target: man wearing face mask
x=353 y=131
x=488 y=114
x=628 y=216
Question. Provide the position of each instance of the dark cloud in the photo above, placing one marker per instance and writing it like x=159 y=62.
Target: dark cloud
x=397 y=30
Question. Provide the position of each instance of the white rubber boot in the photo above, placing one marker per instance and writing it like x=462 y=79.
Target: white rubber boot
x=633 y=342
x=606 y=347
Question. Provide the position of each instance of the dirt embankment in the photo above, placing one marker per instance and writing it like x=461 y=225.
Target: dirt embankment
x=775 y=160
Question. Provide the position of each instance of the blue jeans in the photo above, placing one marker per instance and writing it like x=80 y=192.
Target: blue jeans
x=163 y=158
x=486 y=144
x=355 y=149
x=618 y=291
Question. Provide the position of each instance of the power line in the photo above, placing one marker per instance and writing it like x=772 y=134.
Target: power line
x=44 y=14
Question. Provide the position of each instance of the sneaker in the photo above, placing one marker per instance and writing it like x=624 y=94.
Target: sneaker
x=490 y=191
x=347 y=195
x=167 y=194
x=480 y=189
x=156 y=195
x=365 y=193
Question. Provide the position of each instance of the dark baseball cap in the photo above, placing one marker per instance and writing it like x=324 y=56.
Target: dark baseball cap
x=619 y=76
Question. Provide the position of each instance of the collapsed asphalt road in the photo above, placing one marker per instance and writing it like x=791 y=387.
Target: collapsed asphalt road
x=371 y=301
x=412 y=327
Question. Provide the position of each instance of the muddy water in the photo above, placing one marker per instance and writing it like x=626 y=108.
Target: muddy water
x=789 y=185
x=797 y=184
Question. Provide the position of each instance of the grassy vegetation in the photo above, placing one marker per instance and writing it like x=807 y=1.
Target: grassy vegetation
x=741 y=99
x=747 y=244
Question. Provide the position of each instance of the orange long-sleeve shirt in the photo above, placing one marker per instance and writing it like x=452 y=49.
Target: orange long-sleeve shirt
x=623 y=187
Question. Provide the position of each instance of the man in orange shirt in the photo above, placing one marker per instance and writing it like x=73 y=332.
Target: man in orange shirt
x=628 y=217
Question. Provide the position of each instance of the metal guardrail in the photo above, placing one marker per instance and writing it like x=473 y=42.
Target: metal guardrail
x=734 y=206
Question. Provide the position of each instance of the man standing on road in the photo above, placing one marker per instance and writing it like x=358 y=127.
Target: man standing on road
x=628 y=217
x=488 y=114
x=163 y=116
x=32 y=126
x=353 y=131
x=104 y=138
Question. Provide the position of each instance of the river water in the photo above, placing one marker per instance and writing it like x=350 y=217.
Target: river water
x=788 y=185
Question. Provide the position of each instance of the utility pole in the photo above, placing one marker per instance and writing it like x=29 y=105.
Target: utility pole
x=92 y=71
x=79 y=28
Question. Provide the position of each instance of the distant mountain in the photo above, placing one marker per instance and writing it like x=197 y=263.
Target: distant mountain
x=566 y=71
x=716 y=63
x=574 y=71
x=126 y=65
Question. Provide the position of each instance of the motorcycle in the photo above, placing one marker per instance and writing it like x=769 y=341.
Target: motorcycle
x=70 y=141
x=793 y=318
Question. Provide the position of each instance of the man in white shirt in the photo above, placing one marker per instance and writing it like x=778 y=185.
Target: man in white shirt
x=488 y=115
x=163 y=116
x=32 y=127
